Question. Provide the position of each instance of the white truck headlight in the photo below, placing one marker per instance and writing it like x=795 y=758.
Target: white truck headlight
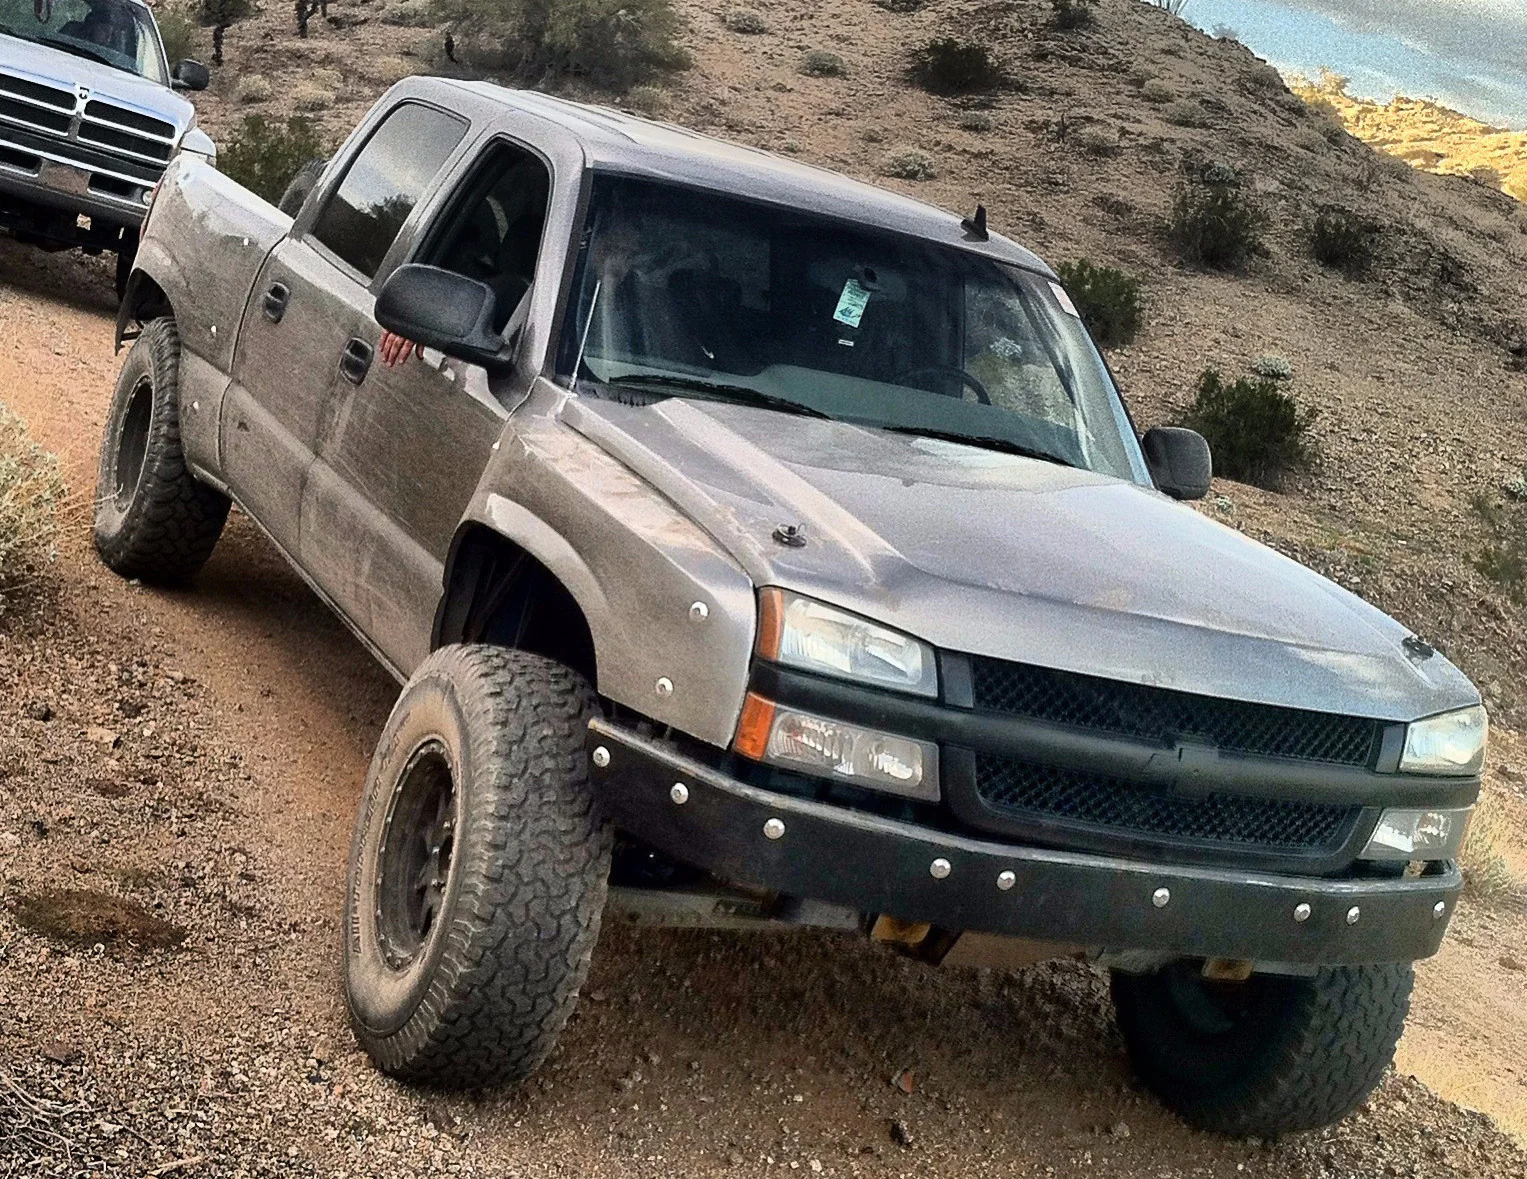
x=1404 y=834
x=813 y=636
x=1452 y=743
x=828 y=748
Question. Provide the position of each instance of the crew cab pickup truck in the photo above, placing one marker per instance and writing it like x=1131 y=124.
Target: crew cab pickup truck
x=89 y=117
x=760 y=548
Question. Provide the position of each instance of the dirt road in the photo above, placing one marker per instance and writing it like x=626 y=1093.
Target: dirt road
x=202 y=753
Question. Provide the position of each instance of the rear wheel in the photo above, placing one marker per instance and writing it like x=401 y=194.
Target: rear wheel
x=478 y=872
x=154 y=520
x=1268 y=1056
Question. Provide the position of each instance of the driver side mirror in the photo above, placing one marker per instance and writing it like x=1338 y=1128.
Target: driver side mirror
x=190 y=75
x=1179 y=461
x=443 y=310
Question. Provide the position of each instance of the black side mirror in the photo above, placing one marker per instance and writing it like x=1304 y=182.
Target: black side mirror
x=190 y=75
x=1179 y=460
x=442 y=309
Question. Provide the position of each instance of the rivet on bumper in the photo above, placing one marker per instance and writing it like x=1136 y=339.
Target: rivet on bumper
x=774 y=828
x=1301 y=912
x=1353 y=914
x=1439 y=910
x=940 y=868
x=1006 y=879
x=664 y=686
x=679 y=793
x=1161 y=898
x=601 y=757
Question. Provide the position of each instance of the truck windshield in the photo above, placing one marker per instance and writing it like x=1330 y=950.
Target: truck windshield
x=114 y=32
x=683 y=293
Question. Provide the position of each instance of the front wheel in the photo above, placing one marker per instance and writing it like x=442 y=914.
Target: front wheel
x=1267 y=1056
x=478 y=870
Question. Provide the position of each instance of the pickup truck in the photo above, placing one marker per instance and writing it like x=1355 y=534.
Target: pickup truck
x=758 y=549
x=89 y=117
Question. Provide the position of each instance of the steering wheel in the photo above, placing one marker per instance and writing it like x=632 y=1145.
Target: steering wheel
x=966 y=379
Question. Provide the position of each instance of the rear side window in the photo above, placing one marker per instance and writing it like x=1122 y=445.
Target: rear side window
x=384 y=182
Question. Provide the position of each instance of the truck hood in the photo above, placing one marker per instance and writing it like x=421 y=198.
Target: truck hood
x=1020 y=559
x=54 y=67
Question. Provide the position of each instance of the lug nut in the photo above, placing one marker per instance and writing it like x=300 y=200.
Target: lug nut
x=774 y=828
x=1301 y=912
x=1161 y=898
x=601 y=757
x=940 y=868
x=1006 y=879
x=679 y=793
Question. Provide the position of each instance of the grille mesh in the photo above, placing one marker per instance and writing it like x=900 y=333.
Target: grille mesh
x=1166 y=715
x=1045 y=792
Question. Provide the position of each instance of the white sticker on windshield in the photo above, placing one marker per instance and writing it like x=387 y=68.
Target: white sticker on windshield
x=851 y=304
x=1064 y=300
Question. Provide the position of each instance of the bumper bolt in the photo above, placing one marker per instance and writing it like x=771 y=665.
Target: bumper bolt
x=1006 y=879
x=664 y=686
x=1161 y=898
x=699 y=612
x=940 y=868
x=601 y=757
x=1439 y=910
x=1353 y=914
x=774 y=829
x=679 y=793
x=1301 y=912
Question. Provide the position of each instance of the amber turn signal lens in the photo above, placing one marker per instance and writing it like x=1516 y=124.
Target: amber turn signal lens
x=771 y=622
x=754 y=726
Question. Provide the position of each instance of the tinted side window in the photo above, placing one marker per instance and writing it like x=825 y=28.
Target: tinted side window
x=384 y=181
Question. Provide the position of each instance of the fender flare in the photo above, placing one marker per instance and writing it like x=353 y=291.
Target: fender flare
x=153 y=264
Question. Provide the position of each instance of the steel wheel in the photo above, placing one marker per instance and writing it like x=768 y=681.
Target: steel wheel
x=414 y=868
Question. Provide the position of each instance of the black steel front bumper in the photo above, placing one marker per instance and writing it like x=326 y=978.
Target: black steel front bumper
x=805 y=848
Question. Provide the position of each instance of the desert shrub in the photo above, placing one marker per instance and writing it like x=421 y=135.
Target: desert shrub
x=30 y=492
x=411 y=14
x=648 y=100
x=1343 y=240
x=263 y=155
x=1097 y=142
x=611 y=44
x=946 y=66
x=745 y=20
x=1486 y=875
x=1272 y=367
x=178 y=30
x=1155 y=90
x=1259 y=434
x=819 y=63
x=872 y=135
x=252 y=88
x=1503 y=559
x=901 y=6
x=1071 y=14
x=1186 y=112
x=1516 y=486
x=225 y=12
x=1214 y=223
x=1107 y=299
x=908 y=163
x=309 y=96
x=975 y=121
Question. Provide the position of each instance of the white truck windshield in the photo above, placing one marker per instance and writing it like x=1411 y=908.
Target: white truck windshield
x=687 y=293
x=113 y=32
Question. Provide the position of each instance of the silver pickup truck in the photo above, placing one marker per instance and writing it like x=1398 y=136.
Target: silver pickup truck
x=89 y=117
x=761 y=549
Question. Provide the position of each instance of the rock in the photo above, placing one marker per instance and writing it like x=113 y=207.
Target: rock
x=1509 y=963
x=905 y=1081
x=60 y=1052
x=39 y=710
x=97 y=735
x=1119 y=1129
x=901 y=1133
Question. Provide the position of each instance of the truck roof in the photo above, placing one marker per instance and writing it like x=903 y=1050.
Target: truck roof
x=614 y=141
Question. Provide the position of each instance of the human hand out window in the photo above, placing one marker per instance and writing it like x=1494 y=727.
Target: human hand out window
x=395 y=349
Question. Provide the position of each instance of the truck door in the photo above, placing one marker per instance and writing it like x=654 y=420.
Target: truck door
x=405 y=449
x=295 y=344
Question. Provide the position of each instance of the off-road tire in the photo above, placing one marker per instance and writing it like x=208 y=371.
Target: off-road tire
x=154 y=520
x=483 y=999
x=1306 y=1053
x=297 y=189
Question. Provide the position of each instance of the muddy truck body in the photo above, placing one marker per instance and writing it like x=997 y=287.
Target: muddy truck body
x=757 y=549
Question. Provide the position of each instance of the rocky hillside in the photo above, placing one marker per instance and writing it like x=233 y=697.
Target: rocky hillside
x=1415 y=369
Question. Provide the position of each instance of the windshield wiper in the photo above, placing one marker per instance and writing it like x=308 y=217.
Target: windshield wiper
x=985 y=442
x=741 y=394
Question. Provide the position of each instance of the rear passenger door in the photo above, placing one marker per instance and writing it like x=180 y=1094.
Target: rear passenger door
x=295 y=344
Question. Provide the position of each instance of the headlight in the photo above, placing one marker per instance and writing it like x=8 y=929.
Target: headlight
x=813 y=636
x=828 y=748
x=1418 y=834
x=1453 y=743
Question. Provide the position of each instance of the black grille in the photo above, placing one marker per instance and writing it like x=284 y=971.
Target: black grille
x=108 y=113
x=1025 y=790
x=63 y=99
x=124 y=141
x=22 y=112
x=1167 y=716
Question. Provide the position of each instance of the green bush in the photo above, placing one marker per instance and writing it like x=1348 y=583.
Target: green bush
x=264 y=155
x=611 y=44
x=30 y=492
x=179 y=32
x=1257 y=432
x=1214 y=223
x=1071 y=14
x=1107 y=299
x=1343 y=240
x=819 y=63
x=946 y=66
x=909 y=164
x=745 y=20
x=975 y=121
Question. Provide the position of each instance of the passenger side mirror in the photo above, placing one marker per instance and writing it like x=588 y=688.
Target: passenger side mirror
x=1179 y=460
x=444 y=310
x=190 y=75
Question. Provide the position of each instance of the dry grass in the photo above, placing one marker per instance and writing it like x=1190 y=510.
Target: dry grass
x=31 y=490
x=1487 y=875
